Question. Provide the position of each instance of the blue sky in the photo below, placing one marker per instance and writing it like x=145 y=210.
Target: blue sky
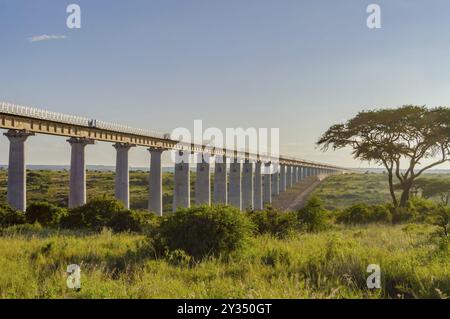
x=293 y=64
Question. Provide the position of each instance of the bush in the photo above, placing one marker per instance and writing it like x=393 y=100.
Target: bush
x=203 y=231
x=129 y=220
x=314 y=216
x=364 y=214
x=44 y=213
x=109 y=213
x=274 y=222
x=442 y=220
x=419 y=209
x=10 y=217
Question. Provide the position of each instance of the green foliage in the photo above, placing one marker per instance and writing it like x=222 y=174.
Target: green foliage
x=314 y=217
x=274 y=222
x=44 y=213
x=10 y=217
x=178 y=257
x=364 y=214
x=432 y=187
x=442 y=220
x=110 y=213
x=330 y=264
x=130 y=220
x=277 y=257
x=204 y=231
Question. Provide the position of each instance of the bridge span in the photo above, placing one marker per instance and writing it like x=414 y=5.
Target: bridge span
x=246 y=185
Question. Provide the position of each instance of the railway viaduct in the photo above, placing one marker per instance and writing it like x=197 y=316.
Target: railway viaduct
x=249 y=181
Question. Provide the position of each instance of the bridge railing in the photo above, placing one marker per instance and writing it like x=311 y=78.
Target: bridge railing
x=36 y=113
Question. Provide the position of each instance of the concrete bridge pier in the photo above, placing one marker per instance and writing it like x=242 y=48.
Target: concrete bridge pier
x=267 y=184
x=247 y=185
x=17 y=173
x=258 y=196
x=220 y=181
x=299 y=173
x=181 y=191
x=77 y=193
x=294 y=175
x=203 y=180
x=275 y=180
x=288 y=176
x=122 y=178
x=235 y=194
x=282 y=178
x=155 y=181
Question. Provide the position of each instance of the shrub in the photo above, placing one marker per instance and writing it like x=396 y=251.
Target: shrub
x=129 y=220
x=10 y=217
x=380 y=214
x=442 y=220
x=110 y=213
x=202 y=231
x=94 y=215
x=419 y=209
x=274 y=222
x=314 y=216
x=364 y=214
x=44 y=213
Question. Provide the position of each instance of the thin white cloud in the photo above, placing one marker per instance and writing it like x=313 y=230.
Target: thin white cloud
x=46 y=37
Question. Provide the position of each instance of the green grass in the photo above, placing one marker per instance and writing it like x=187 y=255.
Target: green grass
x=331 y=264
x=340 y=191
x=326 y=265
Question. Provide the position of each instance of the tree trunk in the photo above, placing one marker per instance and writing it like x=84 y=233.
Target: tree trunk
x=405 y=194
x=391 y=189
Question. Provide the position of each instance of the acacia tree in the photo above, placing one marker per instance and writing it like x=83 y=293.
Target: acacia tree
x=389 y=137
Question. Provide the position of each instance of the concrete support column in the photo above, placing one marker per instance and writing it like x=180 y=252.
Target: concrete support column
x=235 y=194
x=122 y=178
x=181 y=190
x=220 y=181
x=275 y=181
x=258 y=196
x=77 y=193
x=17 y=173
x=308 y=171
x=294 y=175
x=247 y=185
x=203 y=181
x=289 y=176
x=155 y=204
x=282 y=178
x=299 y=173
x=267 y=184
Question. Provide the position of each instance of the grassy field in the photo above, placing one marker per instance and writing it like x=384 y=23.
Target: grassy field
x=341 y=191
x=331 y=264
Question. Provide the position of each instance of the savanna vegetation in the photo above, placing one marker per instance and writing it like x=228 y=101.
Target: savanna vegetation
x=320 y=251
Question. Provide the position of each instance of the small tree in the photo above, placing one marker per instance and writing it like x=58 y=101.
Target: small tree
x=410 y=134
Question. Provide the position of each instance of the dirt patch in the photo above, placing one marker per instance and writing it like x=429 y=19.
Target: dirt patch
x=294 y=198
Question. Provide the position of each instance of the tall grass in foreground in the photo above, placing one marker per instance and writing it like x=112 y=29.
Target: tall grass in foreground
x=330 y=264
